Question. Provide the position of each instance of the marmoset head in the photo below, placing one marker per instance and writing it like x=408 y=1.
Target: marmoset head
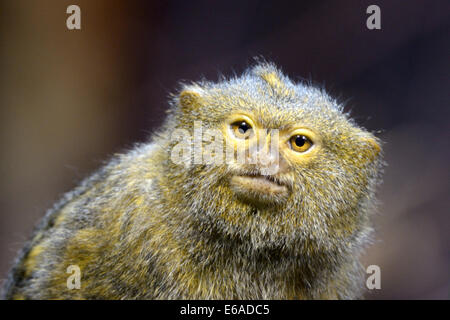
x=273 y=161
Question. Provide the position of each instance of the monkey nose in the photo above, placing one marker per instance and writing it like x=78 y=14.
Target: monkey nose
x=276 y=167
x=270 y=163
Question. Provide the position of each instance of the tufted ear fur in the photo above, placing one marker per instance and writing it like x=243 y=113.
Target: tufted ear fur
x=190 y=98
x=372 y=145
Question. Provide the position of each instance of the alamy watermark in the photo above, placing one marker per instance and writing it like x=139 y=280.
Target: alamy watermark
x=374 y=20
x=73 y=21
x=74 y=280
x=213 y=147
x=374 y=280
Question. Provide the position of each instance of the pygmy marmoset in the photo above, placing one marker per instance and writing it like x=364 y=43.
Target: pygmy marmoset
x=255 y=187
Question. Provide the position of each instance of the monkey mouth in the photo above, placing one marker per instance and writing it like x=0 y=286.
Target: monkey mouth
x=258 y=184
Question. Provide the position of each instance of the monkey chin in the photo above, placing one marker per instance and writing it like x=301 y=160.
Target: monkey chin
x=258 y=190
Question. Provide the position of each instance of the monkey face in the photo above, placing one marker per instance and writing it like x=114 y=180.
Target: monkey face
x=299 y=169
x=260 y=171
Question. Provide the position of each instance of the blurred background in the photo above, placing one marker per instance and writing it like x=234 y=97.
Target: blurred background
x=71 y=99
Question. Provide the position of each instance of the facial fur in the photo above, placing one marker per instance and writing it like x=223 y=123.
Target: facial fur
x=329 y=188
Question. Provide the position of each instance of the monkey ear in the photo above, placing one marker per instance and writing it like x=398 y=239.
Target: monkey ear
x=190 y=98
x=372 y=145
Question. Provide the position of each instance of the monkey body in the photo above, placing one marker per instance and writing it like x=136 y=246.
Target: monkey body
x=144 y=227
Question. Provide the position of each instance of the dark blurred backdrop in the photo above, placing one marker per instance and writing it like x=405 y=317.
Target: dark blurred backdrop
x=70 y=99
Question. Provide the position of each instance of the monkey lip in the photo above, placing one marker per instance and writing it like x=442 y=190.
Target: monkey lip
x=259 y=184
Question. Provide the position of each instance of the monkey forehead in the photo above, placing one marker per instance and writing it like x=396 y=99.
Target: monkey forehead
x=304 y=105
x=272 y=86
x=273 y=96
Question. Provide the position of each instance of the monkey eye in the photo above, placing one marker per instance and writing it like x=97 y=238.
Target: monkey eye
x=300 y=143
x=242 y=129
